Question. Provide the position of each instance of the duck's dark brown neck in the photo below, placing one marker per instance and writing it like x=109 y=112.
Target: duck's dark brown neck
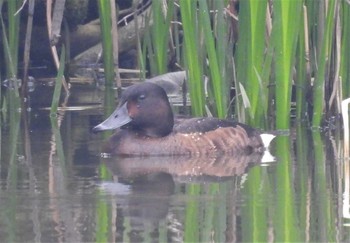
x=163 y=129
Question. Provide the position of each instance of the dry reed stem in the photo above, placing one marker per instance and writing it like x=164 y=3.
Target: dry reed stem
x=53 y=48
x=115 y=44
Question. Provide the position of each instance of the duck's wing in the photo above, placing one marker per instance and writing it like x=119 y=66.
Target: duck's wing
x=207 y=124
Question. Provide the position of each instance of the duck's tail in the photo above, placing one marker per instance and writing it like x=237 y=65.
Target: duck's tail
x=266 y=139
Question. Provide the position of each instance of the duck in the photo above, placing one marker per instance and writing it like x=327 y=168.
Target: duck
x=145 y=125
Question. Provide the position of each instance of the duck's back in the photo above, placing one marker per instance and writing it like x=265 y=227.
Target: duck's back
x=207 y=124
x=219 y=135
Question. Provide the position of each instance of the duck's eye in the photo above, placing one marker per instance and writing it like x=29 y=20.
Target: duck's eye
x=141 y=97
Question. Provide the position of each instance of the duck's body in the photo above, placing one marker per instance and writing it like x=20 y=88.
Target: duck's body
x=147 y=128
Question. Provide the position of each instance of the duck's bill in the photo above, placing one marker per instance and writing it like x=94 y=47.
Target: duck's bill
x=119 y=118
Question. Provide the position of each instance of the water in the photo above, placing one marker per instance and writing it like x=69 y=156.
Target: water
x=55 y=187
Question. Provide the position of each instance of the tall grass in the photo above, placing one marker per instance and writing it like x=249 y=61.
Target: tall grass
x=323 y=62
x=206 y=52
x=216 y=76
x=302 y=67
x=107 y=42
x=108 y=57
x=345 y=45
x=282 y=45
x=286 y=24
x=192 y=55
x=250 y=56
x=10 y=37
x=58 y=82
x=285 y=213
x=191 y=233
x=13 y=35
x=157 y=37
x=255 y=230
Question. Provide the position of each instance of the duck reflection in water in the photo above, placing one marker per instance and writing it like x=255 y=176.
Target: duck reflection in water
x=152 y=180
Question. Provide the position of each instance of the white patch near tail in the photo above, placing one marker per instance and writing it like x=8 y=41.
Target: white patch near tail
x=267 y=157
x=266 y=139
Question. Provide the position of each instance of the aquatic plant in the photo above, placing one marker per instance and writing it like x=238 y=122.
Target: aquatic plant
x=107 y=42
x=58 y=82
x=283 y=47
x=269 y=51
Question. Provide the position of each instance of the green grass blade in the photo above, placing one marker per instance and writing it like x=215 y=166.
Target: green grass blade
x=254 y=220
x=323 y=62
x=10 y=37
x=301 y=77
x=11 y=68
x=323 y=192
x=107 y=42
x=58 y=83
x=216 y=78
x=286 y=24
x=285 y=221
x=345 y=45
x=160 y=33
x=13 y=30
x=250 y=53
x=191 y=232
x=192 y=57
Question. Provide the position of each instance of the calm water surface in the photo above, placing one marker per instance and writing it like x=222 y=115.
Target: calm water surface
x=55 y=187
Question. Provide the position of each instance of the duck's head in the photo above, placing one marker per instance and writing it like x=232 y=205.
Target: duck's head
x=144 y=109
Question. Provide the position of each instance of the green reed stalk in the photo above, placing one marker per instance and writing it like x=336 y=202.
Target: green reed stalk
x=302 y=177
x=191 y=233
x=345 y=45
x=208 y=220
x=222 y=210
x=145 y=54
x=224 y=50
x=284 y=211
x=192 y=55
x=103 y=211
x=13 y=171
x=301 y=76
x=104 y=8
x=250 y=53
x=287 y=15
x=323 y=63
x=103 y=220
x=267 y=83
x=255 y=217
x=10 y=42
x=13 y=32
x=326 y=210
x=11 y=70
x=58 y=82
x=220 y=91
x=11 y=38
x=162 y=15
